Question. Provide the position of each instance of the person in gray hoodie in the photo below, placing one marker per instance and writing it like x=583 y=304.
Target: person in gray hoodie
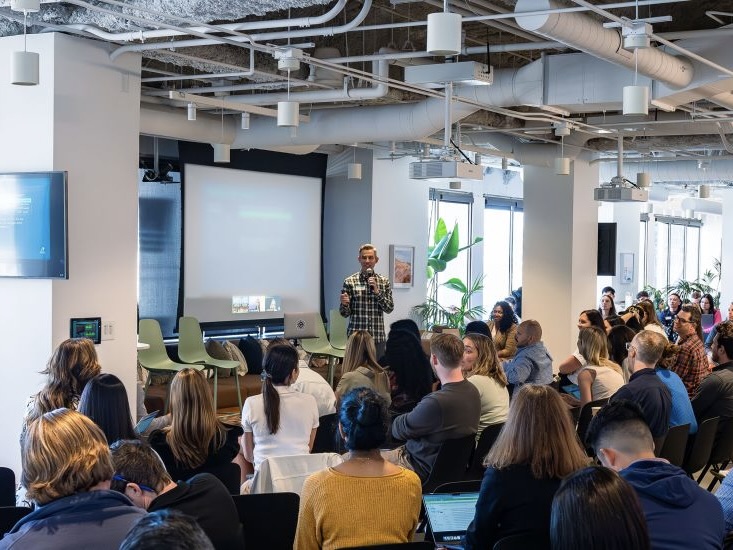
x=679 y=513
x=532 y=364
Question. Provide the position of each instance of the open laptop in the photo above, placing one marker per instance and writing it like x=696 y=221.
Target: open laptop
x=301 y=325
x=449 y=515
x=707 y=321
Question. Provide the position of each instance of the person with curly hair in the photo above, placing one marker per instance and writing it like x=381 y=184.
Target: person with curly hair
x=503 y=329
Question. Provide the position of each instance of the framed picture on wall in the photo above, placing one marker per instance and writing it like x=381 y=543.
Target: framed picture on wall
x=401 y=265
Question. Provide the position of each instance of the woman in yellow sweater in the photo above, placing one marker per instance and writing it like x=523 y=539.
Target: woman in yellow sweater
x=345 y=506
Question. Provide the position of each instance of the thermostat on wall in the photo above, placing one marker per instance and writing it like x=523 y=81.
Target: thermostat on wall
x=87 y=327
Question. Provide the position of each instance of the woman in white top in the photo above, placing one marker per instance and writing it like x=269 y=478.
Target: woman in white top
x=482 y=368
x=279 y=421
x=601 y=377
x=360 y=367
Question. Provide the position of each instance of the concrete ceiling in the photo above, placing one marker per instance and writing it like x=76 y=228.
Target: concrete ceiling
x=686 y=132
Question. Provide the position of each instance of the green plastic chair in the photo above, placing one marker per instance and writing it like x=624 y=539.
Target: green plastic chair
x=155 y=359
x=337 y=330
x=321 y=347
x=191 y=350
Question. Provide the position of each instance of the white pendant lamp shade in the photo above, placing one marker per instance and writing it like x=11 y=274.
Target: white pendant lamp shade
x=444 y=33
x=25 y=5
x=562 y=166
x=643 y=179
x=354 y=170
x=704 y=191
x=221 y=152
x=24 y=68
x=636 y=100
x=245 y=121
x=191 y=111
x=288 y=113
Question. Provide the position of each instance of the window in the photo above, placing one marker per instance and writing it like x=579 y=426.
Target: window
x=454 y=208
x=677 y=251
x=503 y=241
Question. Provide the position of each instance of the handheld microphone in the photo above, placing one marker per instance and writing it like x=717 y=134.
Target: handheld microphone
x=369 y=273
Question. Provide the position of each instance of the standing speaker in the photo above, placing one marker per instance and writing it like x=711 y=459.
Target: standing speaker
x=607 y=249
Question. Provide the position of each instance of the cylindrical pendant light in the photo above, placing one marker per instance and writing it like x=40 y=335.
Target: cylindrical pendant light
x=221 y=152
x=643 y=179
x=191 y=111
x=288 y=113
x=25 y=5
x=245 y=121
x=562 y=166
x=354 y=170
x=444 y=33
x=24 y=68
x=636 y=100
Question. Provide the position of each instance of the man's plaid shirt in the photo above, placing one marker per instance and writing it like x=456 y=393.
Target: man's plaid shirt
x=366 y=309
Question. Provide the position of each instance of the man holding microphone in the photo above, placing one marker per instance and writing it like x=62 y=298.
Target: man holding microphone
x=366 y=296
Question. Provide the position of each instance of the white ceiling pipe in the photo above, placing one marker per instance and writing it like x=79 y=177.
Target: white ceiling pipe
x=581 y=32
x=673 y=171
x=257 y=37
x=702 y=205
x=248 y=26
x=380 y=89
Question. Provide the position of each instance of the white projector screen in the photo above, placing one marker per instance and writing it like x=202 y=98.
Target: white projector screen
x=249 y=235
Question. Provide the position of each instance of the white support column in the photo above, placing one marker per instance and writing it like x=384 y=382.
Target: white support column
x=82 y=118
x=560 y=244
x=726 y=260
x=628 y=229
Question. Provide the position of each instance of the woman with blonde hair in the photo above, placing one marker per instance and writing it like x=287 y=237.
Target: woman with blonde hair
x=482 y=368
x=196 y=440
x=535 y=450
x=600 y=378
x=360 y=368
x=73 y=363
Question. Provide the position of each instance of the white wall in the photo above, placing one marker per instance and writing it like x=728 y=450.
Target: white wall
x=84 y=118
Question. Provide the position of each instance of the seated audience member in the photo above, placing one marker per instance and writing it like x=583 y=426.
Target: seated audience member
x=644 y=387
x=681 y=412
x=667 y=316
x=482 y=368
x=642 y=296
x=73 y=363
x=360 y=368
x=478 y=327
x=714 y=396
x=196 y=441
x=618 y=340
x=587 y=318
x=607 y=308
x=532 y=364
x=104 y=400
x=651 y=322
x=595 y=509
x=278 y=421
x=707 y=307
x=379 y=484
x=695 y=297
x=167 y=529
x=608 y=291
x=67 y=471
x=714 y=331
x=679 y=513
x=141 y=476
x=692 y=363
x=449 y=413
x=600 y=378
x=503 y=329
x=410 y=374
x=310 y=382
x=535 y=450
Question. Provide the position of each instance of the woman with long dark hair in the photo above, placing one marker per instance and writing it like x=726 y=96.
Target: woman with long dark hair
x=196 y=440
x=606 y=307
x=535 y=450
x=503 y=328
x=409 y=370
x=344 y=506
x=104 y=400
x=280 y=421
x=707 y=306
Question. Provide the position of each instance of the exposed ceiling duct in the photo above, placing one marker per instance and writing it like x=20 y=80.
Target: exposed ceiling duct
x=680 y=171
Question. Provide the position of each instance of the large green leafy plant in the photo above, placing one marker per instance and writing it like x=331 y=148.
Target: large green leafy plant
x=446 y=248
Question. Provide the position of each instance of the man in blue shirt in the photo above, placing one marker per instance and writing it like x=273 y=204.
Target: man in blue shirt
x=680 y=514
x=532 y=364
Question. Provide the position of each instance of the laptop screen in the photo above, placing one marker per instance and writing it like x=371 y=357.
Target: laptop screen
x=449 y=515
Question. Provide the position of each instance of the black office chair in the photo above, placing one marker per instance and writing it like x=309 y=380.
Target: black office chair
x=699 y=452
x=451 y=463
x=7 y=487
x=534 y=540
x=485 y=442
x=256 y=513
x=10 y=515
x=675 y=443
x=720 y=454
x=328 y=439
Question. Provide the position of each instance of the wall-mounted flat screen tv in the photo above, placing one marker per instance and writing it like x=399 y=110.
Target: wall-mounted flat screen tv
x=33 y=225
